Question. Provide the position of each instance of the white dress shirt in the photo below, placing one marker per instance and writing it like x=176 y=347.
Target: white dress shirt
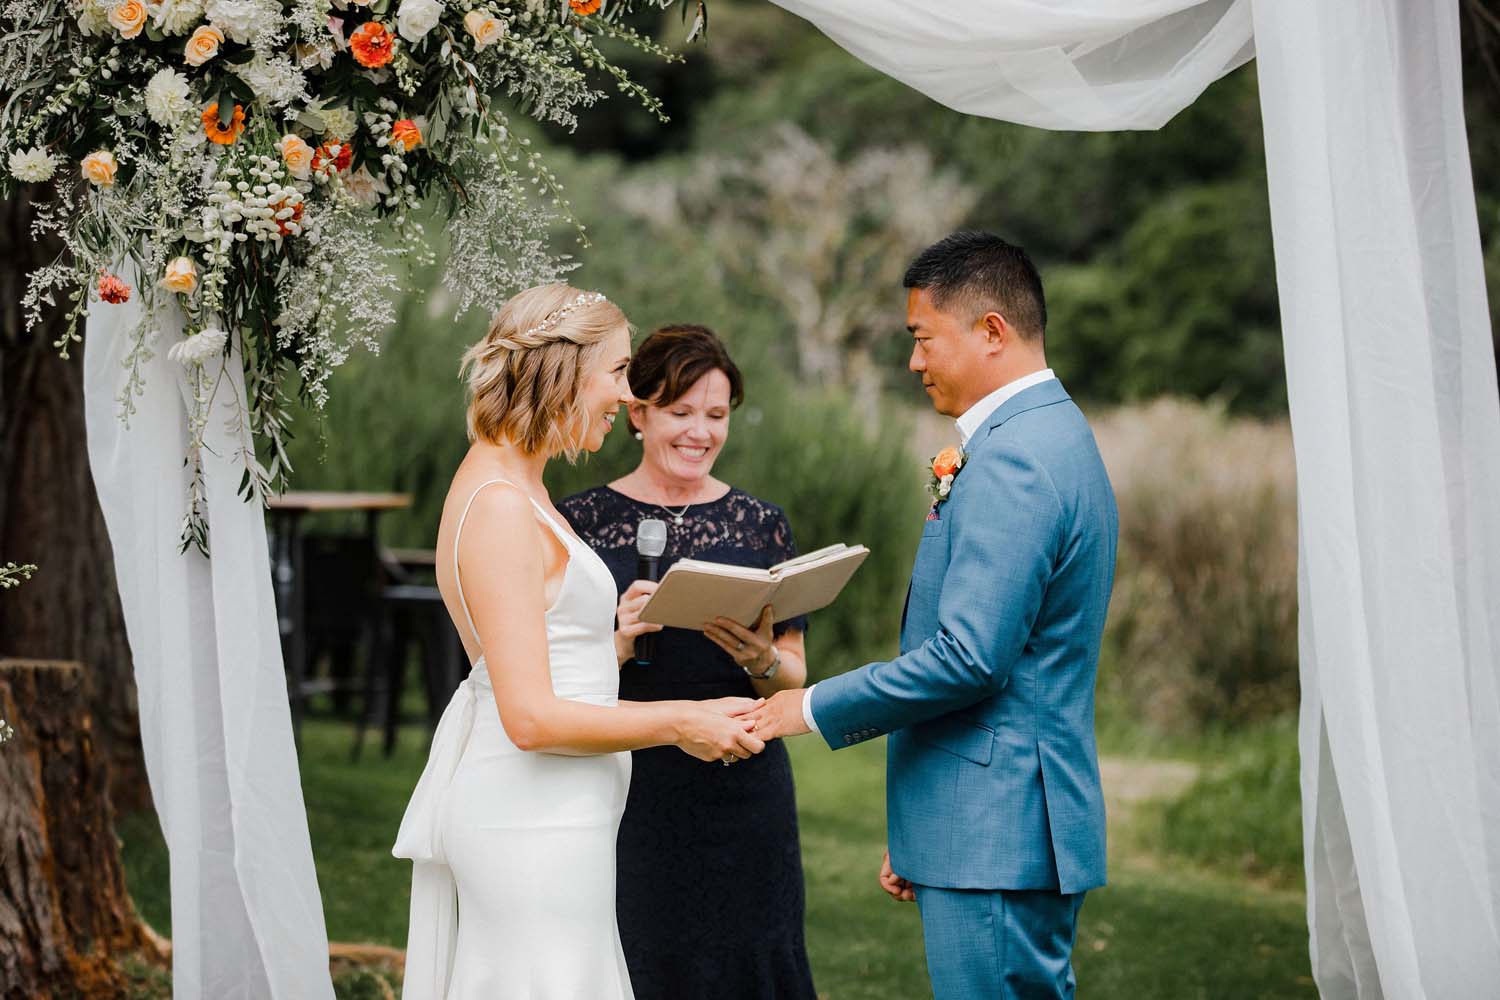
x=973 y=418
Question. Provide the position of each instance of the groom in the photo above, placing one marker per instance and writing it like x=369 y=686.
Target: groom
x=995 y=814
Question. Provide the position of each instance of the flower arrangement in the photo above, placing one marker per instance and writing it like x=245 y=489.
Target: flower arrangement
x=6 y=732
x=264 y=165
x=944 y=466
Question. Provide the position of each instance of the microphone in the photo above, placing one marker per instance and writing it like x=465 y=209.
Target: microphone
x=650 y=543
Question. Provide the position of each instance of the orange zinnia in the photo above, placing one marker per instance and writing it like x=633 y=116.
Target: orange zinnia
x=372 y=45
x=585 y=7
x=224 y=135
x=340 y=154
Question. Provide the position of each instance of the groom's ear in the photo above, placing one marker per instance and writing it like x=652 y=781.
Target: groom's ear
x=997 y=332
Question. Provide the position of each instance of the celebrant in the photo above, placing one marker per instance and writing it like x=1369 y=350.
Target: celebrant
x=710 y=889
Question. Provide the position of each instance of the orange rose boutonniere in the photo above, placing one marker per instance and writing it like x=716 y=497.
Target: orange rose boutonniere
x=945 y=466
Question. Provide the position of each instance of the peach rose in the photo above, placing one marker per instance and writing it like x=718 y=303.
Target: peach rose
x=406 y=135
x=181 y=276
x=946 y=463
x=484 y=28
x=99 y=168
x=203 y=46
x=128 y=18
x=296 y=154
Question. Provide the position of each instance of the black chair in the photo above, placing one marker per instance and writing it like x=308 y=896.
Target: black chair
x=413 y=619
x=344 y=579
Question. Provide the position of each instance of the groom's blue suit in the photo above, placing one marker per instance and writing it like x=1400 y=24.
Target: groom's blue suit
x=993 y=796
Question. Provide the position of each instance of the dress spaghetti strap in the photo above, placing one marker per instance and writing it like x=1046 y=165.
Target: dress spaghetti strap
x=458 y=534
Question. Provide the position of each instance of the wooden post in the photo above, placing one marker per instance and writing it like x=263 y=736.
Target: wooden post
x=65 y=916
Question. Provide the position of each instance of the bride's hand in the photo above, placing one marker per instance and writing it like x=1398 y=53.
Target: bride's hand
x=709 y=734
x=628 y=617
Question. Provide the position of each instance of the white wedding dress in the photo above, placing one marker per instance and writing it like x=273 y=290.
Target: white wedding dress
x=524 y=841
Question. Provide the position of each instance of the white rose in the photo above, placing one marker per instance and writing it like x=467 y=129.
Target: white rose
x=198 y=348
x=176 y=17
x=167 y=98
x=945 y=484
x=236 y=18
x=415 y=18
x=33 y=166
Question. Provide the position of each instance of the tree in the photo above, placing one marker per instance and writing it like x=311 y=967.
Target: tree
x=50 y=516
x=826 y=239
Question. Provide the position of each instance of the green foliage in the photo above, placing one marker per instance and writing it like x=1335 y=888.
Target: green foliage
x=1244 y=815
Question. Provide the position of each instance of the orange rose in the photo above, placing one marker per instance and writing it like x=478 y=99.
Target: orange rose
x=128 y=18
x=203 y=45
x=224 y=135
x=946 y=463
x=406 y=135
x=112 y=289
x=180 y=276
x=585 y=7
x=373 y=46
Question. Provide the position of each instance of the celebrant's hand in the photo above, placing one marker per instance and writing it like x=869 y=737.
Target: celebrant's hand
x=751 y=647
x=781 y=715
x=628 y=617
x=899 y=888
x=733 y=706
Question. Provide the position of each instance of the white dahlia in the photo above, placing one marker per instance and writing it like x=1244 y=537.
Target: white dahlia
x=167 y=96
x=33 y=166
x=177 y=17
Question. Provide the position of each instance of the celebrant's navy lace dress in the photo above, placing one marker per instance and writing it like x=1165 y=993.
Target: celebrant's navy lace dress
x=709 y=868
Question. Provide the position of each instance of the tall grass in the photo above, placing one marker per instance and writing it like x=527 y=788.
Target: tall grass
x=1202 y=629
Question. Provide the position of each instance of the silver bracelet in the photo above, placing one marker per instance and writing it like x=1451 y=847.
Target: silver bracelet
x=770 y=671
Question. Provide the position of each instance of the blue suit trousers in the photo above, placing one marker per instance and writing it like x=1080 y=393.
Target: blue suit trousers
x=999 y=944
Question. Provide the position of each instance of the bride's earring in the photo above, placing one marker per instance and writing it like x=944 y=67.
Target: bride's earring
x=639 y=436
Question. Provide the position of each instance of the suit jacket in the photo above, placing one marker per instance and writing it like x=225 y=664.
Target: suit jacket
x=993 y=774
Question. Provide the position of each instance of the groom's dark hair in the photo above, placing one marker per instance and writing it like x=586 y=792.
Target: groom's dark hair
x=978 y=272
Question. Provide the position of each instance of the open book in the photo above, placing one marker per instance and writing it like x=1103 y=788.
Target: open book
x=694 y=591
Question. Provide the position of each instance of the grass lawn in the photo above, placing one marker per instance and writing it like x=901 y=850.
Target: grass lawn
x=1160 y=931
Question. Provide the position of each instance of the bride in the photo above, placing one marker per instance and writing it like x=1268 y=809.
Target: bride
x=514 y=817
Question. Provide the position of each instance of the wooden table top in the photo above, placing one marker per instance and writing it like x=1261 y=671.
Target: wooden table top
x=321 y=500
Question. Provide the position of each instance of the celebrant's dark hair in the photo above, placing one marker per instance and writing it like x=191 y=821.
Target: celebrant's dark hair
x=671 y=361
x=975 y=273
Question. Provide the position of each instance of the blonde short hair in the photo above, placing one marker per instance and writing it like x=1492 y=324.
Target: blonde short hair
x=524 y=376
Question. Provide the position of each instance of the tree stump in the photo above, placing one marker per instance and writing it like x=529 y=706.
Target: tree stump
x=65 y=916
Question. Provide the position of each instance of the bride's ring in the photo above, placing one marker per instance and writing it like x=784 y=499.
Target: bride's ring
x=740 y=648
x=729 y=760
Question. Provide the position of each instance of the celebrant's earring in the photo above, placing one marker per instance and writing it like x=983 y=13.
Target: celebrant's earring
x=639 y=436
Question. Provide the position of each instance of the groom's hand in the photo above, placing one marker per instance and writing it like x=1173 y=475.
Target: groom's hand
x=899 y=888
x=781 y=715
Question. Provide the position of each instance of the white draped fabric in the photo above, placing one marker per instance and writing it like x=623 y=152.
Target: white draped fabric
x=1391 y=376
x=247 y=920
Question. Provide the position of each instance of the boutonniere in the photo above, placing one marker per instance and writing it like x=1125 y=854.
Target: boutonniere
x=945 y=466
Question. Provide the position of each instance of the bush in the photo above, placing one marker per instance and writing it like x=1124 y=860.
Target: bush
x=1203 y=621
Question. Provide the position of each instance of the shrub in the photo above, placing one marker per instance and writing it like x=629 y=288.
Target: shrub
x=1203 y=621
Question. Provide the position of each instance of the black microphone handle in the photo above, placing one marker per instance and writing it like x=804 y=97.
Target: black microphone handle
x=646 y=568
